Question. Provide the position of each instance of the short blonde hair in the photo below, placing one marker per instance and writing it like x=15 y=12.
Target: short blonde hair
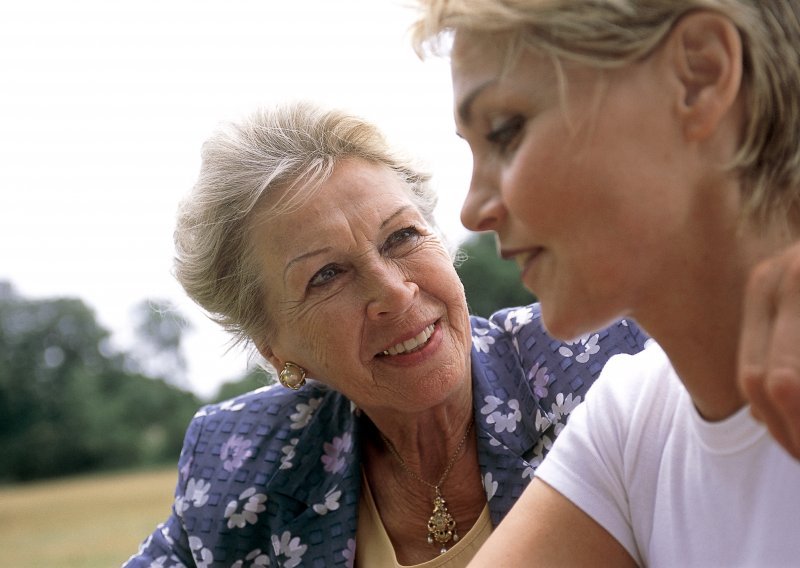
x=278 y=156
x=613 y=33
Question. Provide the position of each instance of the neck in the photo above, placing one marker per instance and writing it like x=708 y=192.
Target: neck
x=424 y=441
x=697 y=317
x=702 y=349
x=406 y=504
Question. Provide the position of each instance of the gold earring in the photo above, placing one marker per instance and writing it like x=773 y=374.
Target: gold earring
x=292 y=376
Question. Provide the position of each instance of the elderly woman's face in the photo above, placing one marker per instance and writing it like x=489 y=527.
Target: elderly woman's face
x=364 y=296
x=582 y=185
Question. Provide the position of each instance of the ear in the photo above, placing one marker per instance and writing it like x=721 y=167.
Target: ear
x=706 y=57
x=268 y=354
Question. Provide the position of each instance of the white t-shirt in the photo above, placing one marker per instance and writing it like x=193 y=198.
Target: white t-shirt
x=674 y=489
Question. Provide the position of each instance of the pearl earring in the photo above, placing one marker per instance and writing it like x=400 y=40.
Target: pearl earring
x=292 y=376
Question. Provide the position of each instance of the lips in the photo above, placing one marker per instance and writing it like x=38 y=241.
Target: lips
x=523 y=258
x=412 y=344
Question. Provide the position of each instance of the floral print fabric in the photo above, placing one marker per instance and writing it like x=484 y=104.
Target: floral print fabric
x=272 y=478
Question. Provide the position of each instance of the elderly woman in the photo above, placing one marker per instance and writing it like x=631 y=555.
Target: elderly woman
x=404 y=429
x=664 y=134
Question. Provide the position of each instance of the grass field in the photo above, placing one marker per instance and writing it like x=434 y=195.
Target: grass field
x=84 y=522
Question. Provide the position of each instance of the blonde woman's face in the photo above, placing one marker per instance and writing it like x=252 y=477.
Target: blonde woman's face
x=365 y=296
x=585 y=187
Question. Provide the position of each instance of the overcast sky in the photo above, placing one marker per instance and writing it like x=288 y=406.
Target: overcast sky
x=104 y=105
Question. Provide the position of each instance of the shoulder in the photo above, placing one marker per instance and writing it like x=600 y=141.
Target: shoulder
x=635 y=379
x=265 y=467
x=502 y=331
x=518 y=333
x=633 y=402
x=269 y=404
x=521 y=374
x=266 y=423
x=523 y=324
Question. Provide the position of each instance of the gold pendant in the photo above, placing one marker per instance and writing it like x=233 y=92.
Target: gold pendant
x=441 y=525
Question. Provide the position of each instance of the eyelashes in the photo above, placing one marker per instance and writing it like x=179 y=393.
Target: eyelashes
x=324 y=275
x=400 y=237
x=507 y=133
x=395 y=244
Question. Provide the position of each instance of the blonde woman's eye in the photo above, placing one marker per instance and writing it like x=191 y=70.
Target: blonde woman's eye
x=506 y=132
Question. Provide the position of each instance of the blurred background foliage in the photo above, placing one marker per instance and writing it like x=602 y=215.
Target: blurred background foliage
x=490 y=283
x=69 y=403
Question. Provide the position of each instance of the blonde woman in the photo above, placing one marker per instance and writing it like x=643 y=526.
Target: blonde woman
x=640 y=159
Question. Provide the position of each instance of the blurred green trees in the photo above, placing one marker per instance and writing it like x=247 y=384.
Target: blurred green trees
x=68 y=403
x=254 y=379
x=490 y=283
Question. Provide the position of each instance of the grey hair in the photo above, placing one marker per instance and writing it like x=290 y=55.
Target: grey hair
x=614 y=33
x=265 y=165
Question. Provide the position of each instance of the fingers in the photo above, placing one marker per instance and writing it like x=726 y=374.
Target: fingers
x=756 y=334
x=769 y=351
x=783 y=366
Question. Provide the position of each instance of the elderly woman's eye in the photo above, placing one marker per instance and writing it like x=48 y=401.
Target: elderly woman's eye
x=324 y=275
x=504 y=134
x=403 y=236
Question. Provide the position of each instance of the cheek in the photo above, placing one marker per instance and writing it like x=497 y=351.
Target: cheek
x=440 y=280
x=315 y=337
x=533 y=183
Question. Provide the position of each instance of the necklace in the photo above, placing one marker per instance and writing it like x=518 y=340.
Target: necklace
x=441 y=525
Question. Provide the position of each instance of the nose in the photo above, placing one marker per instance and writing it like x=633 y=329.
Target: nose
x=483 y=208
x=390 y=291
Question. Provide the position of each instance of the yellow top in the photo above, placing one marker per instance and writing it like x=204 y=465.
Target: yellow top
x=373 y=547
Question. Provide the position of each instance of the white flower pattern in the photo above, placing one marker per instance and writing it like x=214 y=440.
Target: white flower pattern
x=349 y=553
x=253 y=503
x=542 y=446
x=489 y=485
x=564 y=405
x=196 y=494
x=165 y=561
x=586 y=347
x=288 y=452
x=517 y=319
x=481 y=340
x=542 y=421
x=539 y=378
x=290 y=547
x=501 y=421
x=202 y=556
x=304 y=413
x=331 y=502
x=335 y=452
x=234 y=451
x=254 y=559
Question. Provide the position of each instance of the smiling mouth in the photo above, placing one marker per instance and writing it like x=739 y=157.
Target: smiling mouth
x=524 y=258
x=412 y=344
x=521 y=258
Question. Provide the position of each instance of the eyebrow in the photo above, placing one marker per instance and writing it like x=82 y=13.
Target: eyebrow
x=315 y=252
x=400 y=210
x=465 y=106
x=301 y=257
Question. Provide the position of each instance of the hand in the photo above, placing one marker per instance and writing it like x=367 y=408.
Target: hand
x=769 y=347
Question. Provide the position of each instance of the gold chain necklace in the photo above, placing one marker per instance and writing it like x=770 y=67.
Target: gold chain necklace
x=441 y=525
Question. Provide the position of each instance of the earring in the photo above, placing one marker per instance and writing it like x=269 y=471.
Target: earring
x=292 y=376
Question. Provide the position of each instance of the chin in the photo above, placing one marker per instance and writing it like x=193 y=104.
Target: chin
x=570 y=323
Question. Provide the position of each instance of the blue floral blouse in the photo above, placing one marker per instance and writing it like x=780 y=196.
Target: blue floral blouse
x=272 y=478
